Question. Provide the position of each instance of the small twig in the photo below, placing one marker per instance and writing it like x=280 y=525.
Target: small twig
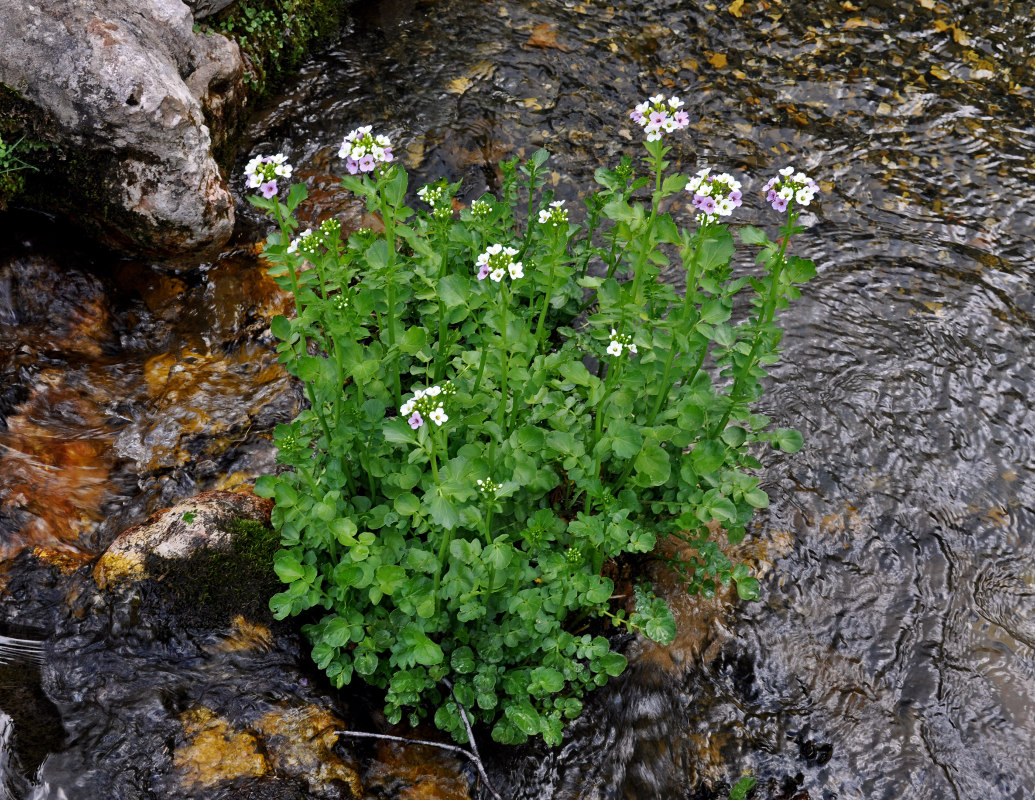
x=470 y=739
x=427 y=743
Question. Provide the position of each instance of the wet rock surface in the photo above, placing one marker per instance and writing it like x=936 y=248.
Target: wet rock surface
x=135 y=100
x=171 y=678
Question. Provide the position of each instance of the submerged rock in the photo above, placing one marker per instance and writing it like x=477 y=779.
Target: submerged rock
x=134 y=100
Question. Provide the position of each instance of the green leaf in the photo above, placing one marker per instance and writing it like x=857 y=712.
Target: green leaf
x=265 y=486
x=707 y=456
x=280 y=327
x=752 y=235
x=601 y=591
x=407 y=504
x=498 y=555
x=653 y=463
x=413 y=340
x=365 y=662
x=716 y=249
x=454 y=290
x=788 y=440
x=296 y=194
x=742 y=787
x=747 y=588
x=756 y=498
x=287 y=567
x=626 y=440
x=462 y=660
x=443 y=510
x=613 y=664
x=377 y=254
x=524 y=717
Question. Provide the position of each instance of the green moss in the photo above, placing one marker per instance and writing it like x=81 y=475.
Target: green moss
x=275 y=35
x=210 y=588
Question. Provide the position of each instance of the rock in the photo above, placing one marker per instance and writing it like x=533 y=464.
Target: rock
x=135 y=101
x=205 y=8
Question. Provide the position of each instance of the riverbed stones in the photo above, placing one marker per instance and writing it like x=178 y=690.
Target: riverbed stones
x=134 y=100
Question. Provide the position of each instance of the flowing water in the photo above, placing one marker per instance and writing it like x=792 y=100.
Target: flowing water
x=893 y=653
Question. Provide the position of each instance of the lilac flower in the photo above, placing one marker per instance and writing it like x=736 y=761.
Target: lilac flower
x=364 y=152
x=430 y=402
x=262 y=173
x=497 y=261
x=790 y=186
x=715 y=196
x=656 y=116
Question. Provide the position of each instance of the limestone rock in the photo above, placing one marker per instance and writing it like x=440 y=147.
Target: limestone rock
x=135 y=99
x=205 y=8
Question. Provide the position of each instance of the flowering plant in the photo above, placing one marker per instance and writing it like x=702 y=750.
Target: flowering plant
x=502 y=404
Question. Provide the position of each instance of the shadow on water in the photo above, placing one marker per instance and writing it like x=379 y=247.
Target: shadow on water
x=893 y=654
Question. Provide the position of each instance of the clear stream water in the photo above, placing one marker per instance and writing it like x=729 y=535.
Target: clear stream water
x=893 y=653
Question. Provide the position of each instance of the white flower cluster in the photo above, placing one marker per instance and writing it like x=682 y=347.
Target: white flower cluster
x=790 y=186
x=262 y=173
x=427 y=401
x=497 y=261
x=363 y=151
x=659 y=116
x=714 y=195
x=480 y=209
x=556 y=215
x=620 y=342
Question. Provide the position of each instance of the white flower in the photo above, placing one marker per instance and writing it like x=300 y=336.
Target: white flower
x=631 y=348
x=406 y=408
x=787 y=171
x=438 y=416
x=433 y=391
x=615 y=348
x=497 y=274
x=803 y=197
x=674 y=103
x=516 y=270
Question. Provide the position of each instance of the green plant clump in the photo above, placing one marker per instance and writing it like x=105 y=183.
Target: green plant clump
x=503 y=400
x=274 y=35
x=11 y=167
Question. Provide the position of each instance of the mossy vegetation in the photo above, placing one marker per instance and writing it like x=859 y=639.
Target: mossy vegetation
x=213 y=586
x=22 y=148
x=275 y=35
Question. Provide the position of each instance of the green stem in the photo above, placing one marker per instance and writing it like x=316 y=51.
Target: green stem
x=766 y=315
x=285 y=233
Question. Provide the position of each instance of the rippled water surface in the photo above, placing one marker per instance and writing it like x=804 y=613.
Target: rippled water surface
x=893 y=654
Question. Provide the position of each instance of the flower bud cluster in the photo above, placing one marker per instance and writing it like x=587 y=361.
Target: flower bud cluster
x=555 y=216
x=488 y=486
x=427 y=402
x=790 y=186
x=714 y=195
x=659 y=116
x=480 y=209
x=620 y=342
x=438 y=196
x=497 y=261
x=262 y=173
x=363 y=152
x=308 y=242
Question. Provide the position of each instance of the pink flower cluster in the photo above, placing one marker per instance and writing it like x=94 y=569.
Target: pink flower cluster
x=659 y=116
x=262 y=172
x=714 y=195
x=789 y=186
x=363 y=152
